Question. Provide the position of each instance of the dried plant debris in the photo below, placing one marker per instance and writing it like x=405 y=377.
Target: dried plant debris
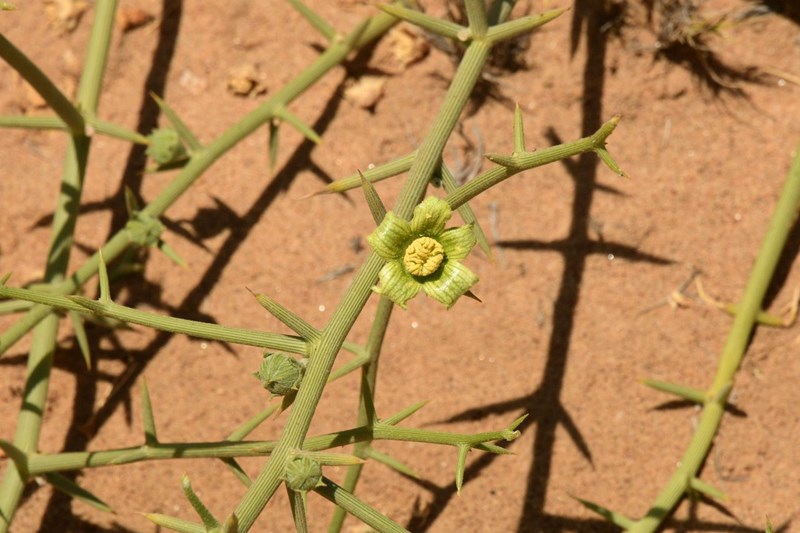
x=65 y=15
x=683 y=24
x=408 y=45
x=133 y=18
x=246 y=80
x=684 y=33
x=365 y=92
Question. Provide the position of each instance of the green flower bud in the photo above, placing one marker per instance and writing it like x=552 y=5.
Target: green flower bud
x=280 y=373
x=165 y=146
x=144 y=229
x=303 y=474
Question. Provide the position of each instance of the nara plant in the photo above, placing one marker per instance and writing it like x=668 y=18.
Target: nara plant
x=412 y=251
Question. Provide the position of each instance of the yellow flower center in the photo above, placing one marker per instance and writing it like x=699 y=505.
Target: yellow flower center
x=423 y=256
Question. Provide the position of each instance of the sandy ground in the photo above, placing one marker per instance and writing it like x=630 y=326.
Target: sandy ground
x=575 y=305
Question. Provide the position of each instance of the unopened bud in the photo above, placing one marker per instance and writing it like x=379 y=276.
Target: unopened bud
x=280 y=373
x=165 y=146
x=303 y=474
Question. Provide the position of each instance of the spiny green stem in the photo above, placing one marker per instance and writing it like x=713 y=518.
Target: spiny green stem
x=426 y=162
x=429 y=154
x=40 y=359
x=368 y=383
x=516 y=163
x=732 y=353
x=193 y=328
x=59 y=462
x=319 y=367
x=323 y=356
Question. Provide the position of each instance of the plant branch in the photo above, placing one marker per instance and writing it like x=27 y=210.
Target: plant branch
x=40 y=358
x=775 y=239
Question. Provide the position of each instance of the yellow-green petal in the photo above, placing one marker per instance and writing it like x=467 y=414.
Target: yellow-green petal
x=455 y=279
x=391 y=237
x=430 y=217
x=457 y=242
x=397 y=284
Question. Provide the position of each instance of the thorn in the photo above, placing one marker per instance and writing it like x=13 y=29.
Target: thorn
x=208 y=519
x=287 y=317
x=376 y=206
x=702 y=487
x=605 y=156
x=516 y=423
x=404 y=413
x=148 y=419
x=316 y=21
x=81 y=337
x=167 y=250
x=461 y=464
x=293 y=120
x=180 y=126
x=105 y=292
x=502 y=160
x=687 y=393
x=493 y=448
x=519 y=132
x=615 y=518
x=762 y=317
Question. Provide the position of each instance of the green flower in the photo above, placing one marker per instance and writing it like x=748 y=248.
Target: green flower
x=422 y=255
